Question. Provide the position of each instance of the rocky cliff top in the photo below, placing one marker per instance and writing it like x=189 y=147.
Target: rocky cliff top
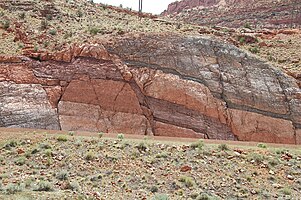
x=35 y=28
x=237 y=13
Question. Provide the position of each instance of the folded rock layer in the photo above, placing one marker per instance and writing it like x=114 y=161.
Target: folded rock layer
x=152 y=84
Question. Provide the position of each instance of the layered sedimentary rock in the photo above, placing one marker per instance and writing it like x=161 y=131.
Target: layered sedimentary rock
x=137 y=84
x=237 y=13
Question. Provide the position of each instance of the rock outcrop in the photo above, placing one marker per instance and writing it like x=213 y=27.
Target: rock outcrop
x=237 y=13
x=137 y=84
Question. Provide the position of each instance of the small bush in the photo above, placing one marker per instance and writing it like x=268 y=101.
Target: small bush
x=90 y=156
x=52 y=32
x=71 y=133
x=100 y=134
x=13 y=188
x=45 y=146
x=223 y=147
x=286 y=191
x=10 y=144
x=79 y=13
x=43 y=186
x=247 y=25
x=261 y=145
x=6 y=24
x=48 y=152
x=242 y=40
x=22 y=15
x=62 y=175
x=44 y=25
x=256 y=157
x=20 y=160
x=141 y=146
x=254 y=50
x=160 y=197
x=197 y=145
x=120 y=136
x=154 y=189
x=62 y=138
x=94 y=31
x=188 y=181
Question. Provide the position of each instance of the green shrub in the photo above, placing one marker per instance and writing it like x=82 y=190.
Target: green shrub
x=62 y=138
x=188 y=181
x=100 y=134
x=22 y=15
x=20 y=160
x=197 y=145
x=44 y=24
x=256 y=157
x=62 y=175
x=94 y=31
x=160 y=197
x=254 y=50
x=52 y=32
x=242 y=40
x=13 y=188
x=120 y=136
x=261 y=145
x=90 y=155
x=141 y=146
x=247 y=25
x=223 y=147
x=6 y=24
x=48 y=152
x=71 y=133
x=79 y=13
x=43 y=186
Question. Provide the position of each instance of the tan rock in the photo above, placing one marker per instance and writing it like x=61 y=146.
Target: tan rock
x=168 y=130
x=248 y=126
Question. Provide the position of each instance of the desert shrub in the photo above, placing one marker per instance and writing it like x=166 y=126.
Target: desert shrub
x=44 y=24
x=247 y=25
x=141 y=146
x=286 y=191
x=100 y=134
x=48 y=152
x=10 y=144
x=223 y=147
x=242 y=40
x=22 y=15
x=154 y=189
x=62 y=175
x=71 y=133
x=160 y=197
x=43 y=186
x=197 y=145
x=261 y=145
x=255 y=157
x=254 y=50
x=13 y=188
x=94 y=31
x=162 y=155
x=79 y=13
x=62 y=138
x=120 y=136
x=20 y=160
x=45 y=146
x=188 y=181
x=52 y=32
x=6 y=24
x=49 y=17
x=90 y=156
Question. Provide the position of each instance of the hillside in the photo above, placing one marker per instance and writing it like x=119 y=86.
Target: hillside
x=237 y=13
x=40 y=165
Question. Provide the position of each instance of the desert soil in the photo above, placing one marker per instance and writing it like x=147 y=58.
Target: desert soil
x=36 y=164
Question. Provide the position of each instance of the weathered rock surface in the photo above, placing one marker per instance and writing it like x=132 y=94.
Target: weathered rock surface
x=237 y=13
x=185 y=86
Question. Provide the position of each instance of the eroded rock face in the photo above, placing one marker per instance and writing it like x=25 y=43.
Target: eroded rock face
x=237 y=13
x=184 y=87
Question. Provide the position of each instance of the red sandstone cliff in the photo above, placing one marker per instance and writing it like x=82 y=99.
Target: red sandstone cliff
x=153 y=84
x=237 y=13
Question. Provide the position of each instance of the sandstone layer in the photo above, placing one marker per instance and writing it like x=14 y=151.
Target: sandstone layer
x=137 y=84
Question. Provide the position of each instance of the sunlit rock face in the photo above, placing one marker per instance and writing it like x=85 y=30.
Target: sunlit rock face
x=150 y=84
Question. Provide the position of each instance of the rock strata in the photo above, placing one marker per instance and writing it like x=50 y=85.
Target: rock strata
x=136 y=84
